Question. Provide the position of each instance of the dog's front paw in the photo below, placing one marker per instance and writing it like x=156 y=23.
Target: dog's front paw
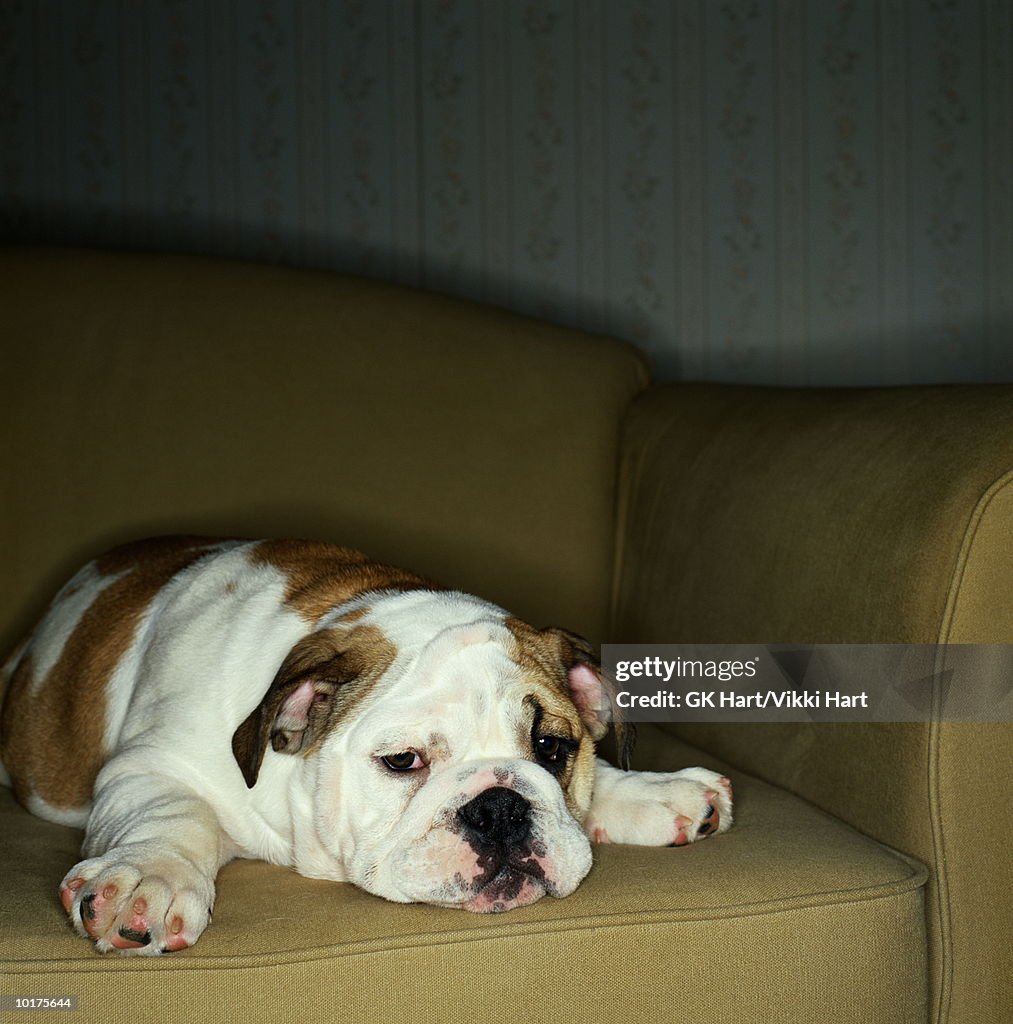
x=135 y=904
x=662 y=808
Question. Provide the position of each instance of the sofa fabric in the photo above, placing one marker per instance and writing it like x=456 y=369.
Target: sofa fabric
x=146 y=394
x=875 y=516
x=651 y=934
x=866 y=878
x=761 y=515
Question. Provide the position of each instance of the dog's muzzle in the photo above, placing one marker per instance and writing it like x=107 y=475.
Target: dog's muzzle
x=498 y=826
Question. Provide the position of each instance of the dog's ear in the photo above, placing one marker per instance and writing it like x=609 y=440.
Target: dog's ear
x=593 y=692
x=307 y=696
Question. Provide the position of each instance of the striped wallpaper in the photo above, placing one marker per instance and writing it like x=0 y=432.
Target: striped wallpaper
x=774 y=191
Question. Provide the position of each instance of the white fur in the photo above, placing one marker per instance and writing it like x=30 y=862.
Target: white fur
x=645 y=808
x=69 y=607
x=75 y=817
x=215 y=573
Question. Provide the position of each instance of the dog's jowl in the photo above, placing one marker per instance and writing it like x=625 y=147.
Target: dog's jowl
x=188 y=701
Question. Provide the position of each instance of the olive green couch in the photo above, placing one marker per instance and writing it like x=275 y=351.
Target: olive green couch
x=868 y=876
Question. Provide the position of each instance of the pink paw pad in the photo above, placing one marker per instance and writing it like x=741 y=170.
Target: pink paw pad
x=91 y=910
x=175 y=941
x=681 y=824
x=68 y=892
x=132 y=937
x=134 y=933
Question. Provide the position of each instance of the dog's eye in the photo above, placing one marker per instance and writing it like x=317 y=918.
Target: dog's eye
x=551 y=749
x=405 y=761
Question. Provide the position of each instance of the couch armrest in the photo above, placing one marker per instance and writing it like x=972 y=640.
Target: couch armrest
x=846 y=516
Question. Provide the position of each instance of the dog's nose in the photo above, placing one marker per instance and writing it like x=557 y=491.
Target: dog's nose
x=497 y=817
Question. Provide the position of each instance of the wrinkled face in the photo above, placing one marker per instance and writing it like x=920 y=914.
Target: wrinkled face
x=461 y=778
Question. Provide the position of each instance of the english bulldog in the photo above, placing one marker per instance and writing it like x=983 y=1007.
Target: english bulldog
x=188 y=701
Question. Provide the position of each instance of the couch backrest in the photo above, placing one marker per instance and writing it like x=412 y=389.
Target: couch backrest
x=144 y=394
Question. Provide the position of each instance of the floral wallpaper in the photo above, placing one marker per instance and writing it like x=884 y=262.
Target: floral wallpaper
x=765 y=191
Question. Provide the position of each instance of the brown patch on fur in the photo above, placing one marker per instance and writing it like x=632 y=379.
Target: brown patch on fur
x=542 y=652
x=342 y=665
x=52 y=742
x=559 y=717
x=546 y=657
x=152 y=556
x=322 y=576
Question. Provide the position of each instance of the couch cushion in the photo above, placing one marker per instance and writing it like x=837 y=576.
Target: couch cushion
x=147 y=393
x=790 y=916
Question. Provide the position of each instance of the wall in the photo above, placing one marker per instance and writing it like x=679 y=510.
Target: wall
x=781 y=192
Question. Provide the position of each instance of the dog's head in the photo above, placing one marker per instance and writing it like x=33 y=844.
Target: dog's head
x=452 y=757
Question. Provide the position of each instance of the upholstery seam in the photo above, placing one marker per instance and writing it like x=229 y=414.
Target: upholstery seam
x=945 y=994
x=963 y=555
x=622 y=498
x=914 y=881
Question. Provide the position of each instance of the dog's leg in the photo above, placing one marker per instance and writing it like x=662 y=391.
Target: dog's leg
x=657 y=808
x=153 y=850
